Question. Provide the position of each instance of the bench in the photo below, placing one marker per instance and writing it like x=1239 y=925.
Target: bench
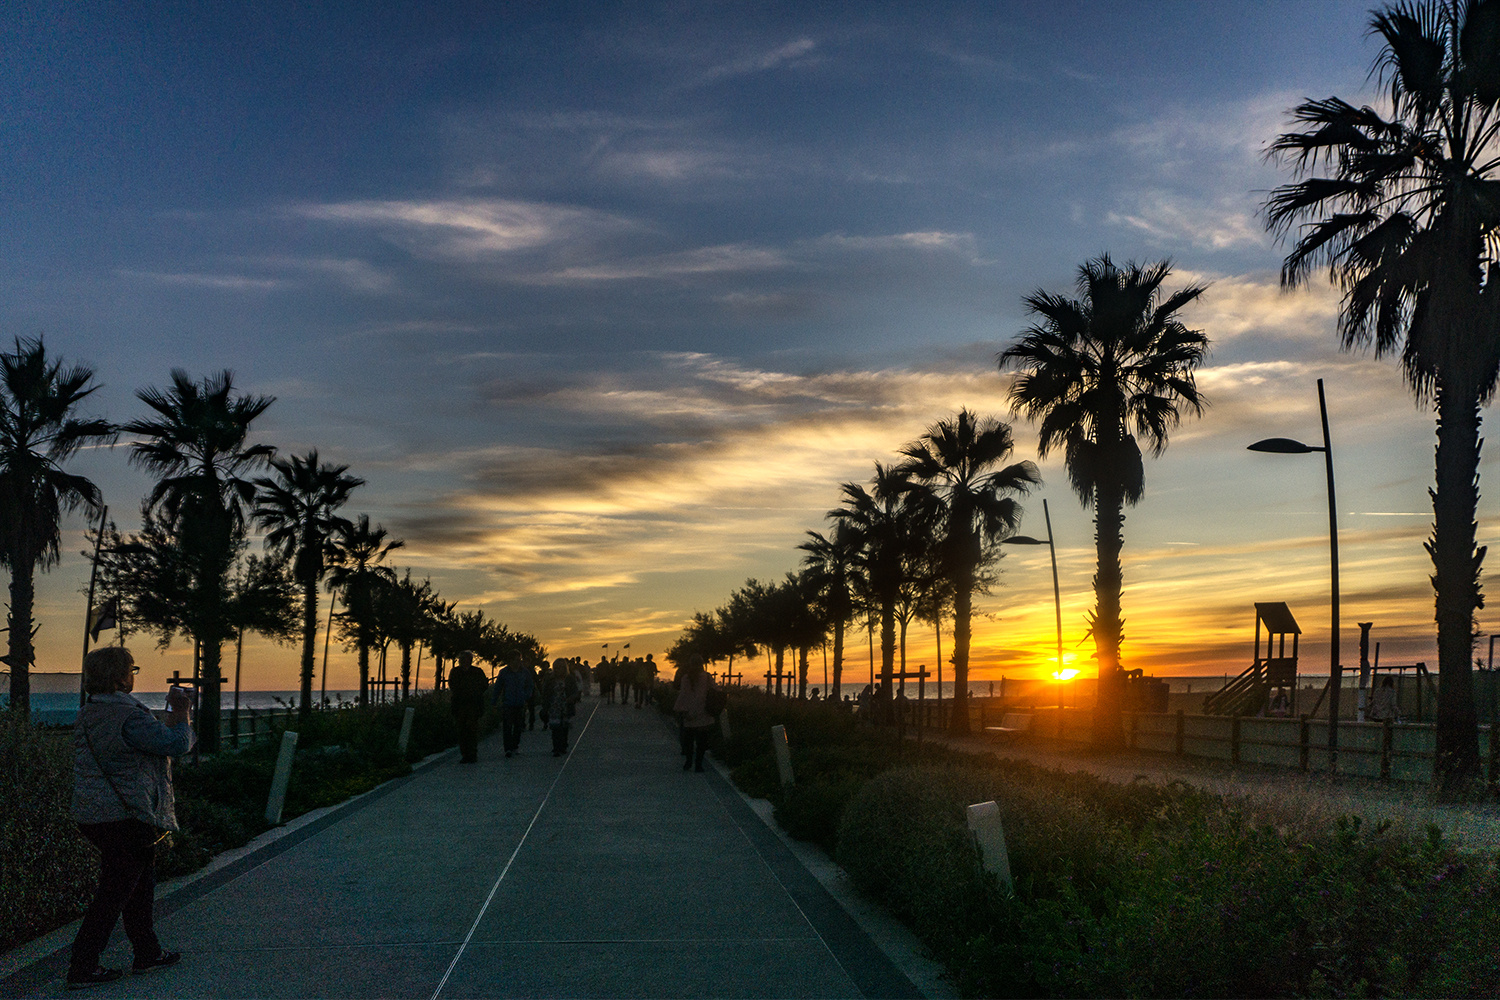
x=1011 y=722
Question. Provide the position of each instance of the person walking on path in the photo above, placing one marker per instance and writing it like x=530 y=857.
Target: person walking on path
x=514 y=686
x=697 y=721
x=123 y=804
x=559 y=695
x=466 y=687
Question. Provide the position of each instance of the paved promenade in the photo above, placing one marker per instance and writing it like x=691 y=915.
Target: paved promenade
x=608 y=873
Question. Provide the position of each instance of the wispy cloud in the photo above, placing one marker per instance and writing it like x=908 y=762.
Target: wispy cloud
x=218 y=282
x=467 y=228
x=799 y=51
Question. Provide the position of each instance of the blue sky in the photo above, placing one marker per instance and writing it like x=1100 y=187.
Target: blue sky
x=605 y=300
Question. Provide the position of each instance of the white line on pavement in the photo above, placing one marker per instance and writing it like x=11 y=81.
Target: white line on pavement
x=506 y=870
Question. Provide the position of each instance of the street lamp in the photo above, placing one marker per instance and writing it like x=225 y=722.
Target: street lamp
x=1286 y=446
x=1056 y=591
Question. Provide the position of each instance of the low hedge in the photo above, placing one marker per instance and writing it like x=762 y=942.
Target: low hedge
x=48 y=871
x=1128 y=890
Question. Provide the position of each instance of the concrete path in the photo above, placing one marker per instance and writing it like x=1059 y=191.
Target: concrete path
x=607 y=873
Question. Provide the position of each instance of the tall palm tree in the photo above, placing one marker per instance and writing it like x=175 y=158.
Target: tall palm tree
x=299 y=510
x=891 y=531
x=1402 y=208
x=38 y=433
x=196 y=445
x=408 y=613
x=1099 y=371
x=832 y=565
x=953 y=469
x=358 y=574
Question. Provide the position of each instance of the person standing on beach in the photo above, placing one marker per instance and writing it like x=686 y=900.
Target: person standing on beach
x=515 y=683
x=123 y=804
x=466 y=687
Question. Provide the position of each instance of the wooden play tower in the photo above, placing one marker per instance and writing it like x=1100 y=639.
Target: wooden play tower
x=1253 y=691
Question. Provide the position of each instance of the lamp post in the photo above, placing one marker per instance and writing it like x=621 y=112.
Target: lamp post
x=1056 y=591
x=1286 y=446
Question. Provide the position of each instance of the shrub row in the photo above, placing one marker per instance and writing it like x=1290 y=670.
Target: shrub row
x=1128 y=890
x=48 y=871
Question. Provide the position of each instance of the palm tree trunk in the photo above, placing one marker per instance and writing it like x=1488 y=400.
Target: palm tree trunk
x=963 y=609
x=802 y=673
x=208 y=694
x=780 y=659
x=22 y=599
x=1456 y=581
x=887 y=656
x=309 y=641
x=1109 y=520
x=364 y=672
x=838 y=661
x=405 y=671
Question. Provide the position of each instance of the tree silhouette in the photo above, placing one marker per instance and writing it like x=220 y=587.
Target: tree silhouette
x=358 y=574
x=298 y=508
x=953 y=471
x=1402 y=207
x=196 y=447
x=38 y=433
x=1098 y=371
x=832 y=564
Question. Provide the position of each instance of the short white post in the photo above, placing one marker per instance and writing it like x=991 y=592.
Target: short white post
x=405 y=739
x=783 y=755
x=989 y=839
x=724 y=725
x=283 y=776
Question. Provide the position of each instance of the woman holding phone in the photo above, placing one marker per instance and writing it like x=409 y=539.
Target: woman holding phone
x=123 y=804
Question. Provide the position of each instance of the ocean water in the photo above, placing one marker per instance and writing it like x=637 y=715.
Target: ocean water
x=56 y=708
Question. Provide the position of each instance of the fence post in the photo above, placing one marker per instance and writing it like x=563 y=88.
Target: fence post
x=1234 y=741
x=1180 y=732
x=1302 y=736
x=283 y=776
x=405 y=738
x=1385 y=750
x=783 y=755
x=252 y=727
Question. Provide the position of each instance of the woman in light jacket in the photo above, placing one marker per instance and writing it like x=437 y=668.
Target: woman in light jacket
x=692 y=702
x=122 y=802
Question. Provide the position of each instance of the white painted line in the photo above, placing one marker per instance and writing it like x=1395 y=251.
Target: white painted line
x=512 y=860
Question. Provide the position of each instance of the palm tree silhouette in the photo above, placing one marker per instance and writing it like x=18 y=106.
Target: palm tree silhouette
x=195 y=446
x=1099 y=370
x=1405 y=216
x=892 y=535
x=952 y=469
x=358 y=574
x=38 y=433
x=831 y=563
x=298 y=509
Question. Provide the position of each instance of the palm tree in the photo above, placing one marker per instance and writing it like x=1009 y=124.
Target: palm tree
x=408 y=611
x=832 y=565
x=953 y=469
x=298 y=509
x=196 y=447
x=1406 y=218
x=1098 y=371
x=38 y=433
x=358 y=573
x=891 y=533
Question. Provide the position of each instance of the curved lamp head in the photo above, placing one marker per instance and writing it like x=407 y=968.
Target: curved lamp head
x=1022 y=540
x=1282 y=446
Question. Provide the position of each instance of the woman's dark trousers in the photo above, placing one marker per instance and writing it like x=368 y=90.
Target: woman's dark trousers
x=513 y=723
x=695 y=738
x=127 y=886
x=468 y=737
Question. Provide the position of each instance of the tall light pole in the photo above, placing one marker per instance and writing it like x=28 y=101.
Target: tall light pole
x=1286 y=446
x=1056 y=591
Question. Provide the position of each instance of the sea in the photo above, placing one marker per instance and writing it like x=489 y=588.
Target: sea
x=59 y=709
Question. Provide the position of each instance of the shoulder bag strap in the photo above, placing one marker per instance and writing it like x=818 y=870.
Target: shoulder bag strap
x=87 y=739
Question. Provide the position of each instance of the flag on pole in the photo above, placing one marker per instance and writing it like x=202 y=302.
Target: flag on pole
x=627 y=645
x=105 y=617
x=605 y=646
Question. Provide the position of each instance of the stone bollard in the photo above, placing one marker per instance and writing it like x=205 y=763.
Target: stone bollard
x=283 y=776
x=405 y=739
x=989 y=839
x=724 y=730
x=783 y=755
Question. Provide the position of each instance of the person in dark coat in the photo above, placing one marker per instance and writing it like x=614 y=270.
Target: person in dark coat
x=559 y=694
x=123 y=803
x=466 y=686
x=514 y=686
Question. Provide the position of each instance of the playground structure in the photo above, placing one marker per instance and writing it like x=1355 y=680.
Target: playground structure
x=1269 y=684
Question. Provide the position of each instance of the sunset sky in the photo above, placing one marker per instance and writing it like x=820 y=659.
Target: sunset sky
x=606 y=300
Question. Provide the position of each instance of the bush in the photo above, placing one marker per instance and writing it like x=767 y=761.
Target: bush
x=1148 y=891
